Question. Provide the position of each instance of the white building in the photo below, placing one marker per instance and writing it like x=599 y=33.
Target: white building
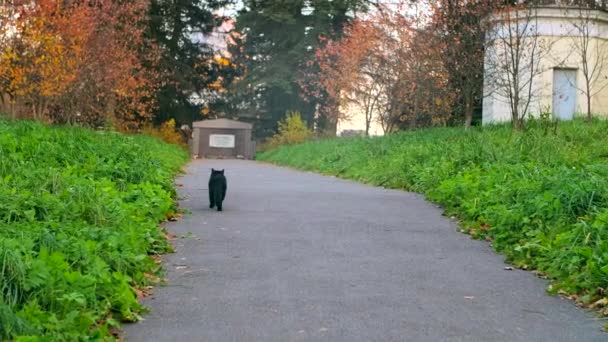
x=551 y=77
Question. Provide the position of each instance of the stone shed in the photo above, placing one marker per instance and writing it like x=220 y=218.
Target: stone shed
x=222 y=138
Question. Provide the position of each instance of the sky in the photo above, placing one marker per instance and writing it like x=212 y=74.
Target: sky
x=217 y=38
x=231 y=10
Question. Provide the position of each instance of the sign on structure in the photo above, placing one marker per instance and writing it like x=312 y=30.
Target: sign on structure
x=221 y=140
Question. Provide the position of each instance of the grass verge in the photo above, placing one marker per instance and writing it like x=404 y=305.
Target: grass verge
x=540 y=198
x=79 y=214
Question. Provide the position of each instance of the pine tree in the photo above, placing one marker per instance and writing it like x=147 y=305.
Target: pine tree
x=178 y=26
x=278 y=38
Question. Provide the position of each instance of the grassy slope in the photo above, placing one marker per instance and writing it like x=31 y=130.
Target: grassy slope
x=541 y=199
x=79 y=213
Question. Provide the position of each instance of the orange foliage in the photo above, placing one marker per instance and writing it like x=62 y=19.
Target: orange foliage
x=167 y=132
x=77 y=61
x=388 y=67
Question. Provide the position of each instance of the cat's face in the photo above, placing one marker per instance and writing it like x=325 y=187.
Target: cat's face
x=217 y=172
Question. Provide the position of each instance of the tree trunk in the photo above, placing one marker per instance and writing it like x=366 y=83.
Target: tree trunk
x=518 y=125
x=468 y=111
x=589 y=116
x=413 y=121
x=331 y=127
x=515 y=116
x=327 y=125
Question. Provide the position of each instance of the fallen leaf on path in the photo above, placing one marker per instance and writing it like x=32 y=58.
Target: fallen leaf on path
x=600 y=303
x=143 y=292
x=181 y=267
x=188 y=235
x=508 y=268
x=170 y=236
x=116 y=333
x=469 y=297
x=153 y=278
x=171 y=216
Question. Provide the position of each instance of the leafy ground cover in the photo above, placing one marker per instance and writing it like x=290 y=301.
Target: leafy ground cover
x=79 y=214
x=540 y=197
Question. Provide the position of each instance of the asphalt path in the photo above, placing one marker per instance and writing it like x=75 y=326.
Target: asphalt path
x=297 y=256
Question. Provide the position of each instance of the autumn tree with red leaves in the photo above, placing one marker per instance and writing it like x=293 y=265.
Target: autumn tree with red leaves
x=429 y=58
x=77 y=61
x=386 y=67
x=349 y=72
x=421 y=96
x=459 y=26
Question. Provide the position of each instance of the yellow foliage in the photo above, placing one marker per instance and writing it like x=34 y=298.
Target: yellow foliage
x=222 y=61
x=292 y=130
x=44 y=63
x=166 y=132
x=217 y=85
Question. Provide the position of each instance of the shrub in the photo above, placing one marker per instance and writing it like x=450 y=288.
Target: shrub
x=79 y=213
x=540 y=198
x=167 y=132
x=292 y=130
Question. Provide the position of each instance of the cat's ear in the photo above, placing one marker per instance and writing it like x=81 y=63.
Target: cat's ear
x=212 y=170
x=222 y=171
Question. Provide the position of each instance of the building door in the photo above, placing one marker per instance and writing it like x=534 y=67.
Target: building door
x=564 y=93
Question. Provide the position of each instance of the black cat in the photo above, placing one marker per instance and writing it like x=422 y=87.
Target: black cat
x=217 y=189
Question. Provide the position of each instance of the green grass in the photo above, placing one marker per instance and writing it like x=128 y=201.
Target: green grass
x=542 y=199
x=79 y=214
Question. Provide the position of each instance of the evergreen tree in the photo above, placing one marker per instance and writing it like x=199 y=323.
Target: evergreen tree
x=277 y=39
x=186 y=66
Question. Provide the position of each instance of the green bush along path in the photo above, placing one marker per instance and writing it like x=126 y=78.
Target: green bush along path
x=540 y=197
x=79 y=214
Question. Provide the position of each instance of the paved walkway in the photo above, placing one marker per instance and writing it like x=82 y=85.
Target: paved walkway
x=301 y=257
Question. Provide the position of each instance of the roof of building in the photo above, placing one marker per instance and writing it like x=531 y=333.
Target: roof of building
x=222 y=123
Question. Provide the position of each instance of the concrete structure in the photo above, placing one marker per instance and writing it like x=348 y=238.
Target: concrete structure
x=222 y=138
x=558 y=84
